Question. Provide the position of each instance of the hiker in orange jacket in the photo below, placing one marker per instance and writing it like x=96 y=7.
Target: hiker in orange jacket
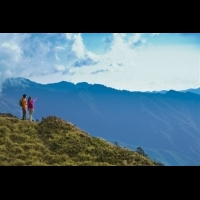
x=24 y=105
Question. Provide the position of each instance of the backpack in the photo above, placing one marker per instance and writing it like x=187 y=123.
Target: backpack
x=20 y=102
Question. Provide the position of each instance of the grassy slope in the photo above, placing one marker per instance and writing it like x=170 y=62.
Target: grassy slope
x=54 y=141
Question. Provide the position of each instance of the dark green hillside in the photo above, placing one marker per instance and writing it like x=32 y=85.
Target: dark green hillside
x=54 y=141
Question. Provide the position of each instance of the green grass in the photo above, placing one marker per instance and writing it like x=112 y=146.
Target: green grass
x=55 y=142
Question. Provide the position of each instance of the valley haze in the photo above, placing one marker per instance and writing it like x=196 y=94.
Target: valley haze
x=165 y=124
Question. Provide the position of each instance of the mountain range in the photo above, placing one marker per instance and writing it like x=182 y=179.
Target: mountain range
x=165 y=124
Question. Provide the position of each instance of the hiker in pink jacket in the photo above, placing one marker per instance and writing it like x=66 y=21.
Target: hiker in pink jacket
x=30 y=106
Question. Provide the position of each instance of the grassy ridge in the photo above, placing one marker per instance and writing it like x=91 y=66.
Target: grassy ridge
x=54 y=141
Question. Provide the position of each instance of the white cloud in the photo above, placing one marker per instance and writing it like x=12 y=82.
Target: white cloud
x=60 y=67
x=57 y=58
x=92 y=56
x=60 y=48
x=129 y=63
x=152 y=69
x=70 y=36
x=16 y=51
x=78 y=46
x=134 y=38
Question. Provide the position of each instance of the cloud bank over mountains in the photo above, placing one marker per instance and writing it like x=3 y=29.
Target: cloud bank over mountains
x=131 y=61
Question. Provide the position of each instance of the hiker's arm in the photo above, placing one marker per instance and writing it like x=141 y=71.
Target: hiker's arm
x=34 y=99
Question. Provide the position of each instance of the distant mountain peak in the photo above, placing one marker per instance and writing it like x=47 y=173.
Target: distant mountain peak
x=83 y=85
x=19 y=82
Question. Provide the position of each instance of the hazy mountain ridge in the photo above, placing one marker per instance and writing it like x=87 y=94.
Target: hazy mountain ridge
x=196 y=91
x=166 y=125
x=64 y=86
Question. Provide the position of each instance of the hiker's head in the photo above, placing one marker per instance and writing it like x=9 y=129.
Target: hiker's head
x=24 y=95
x=29 y=98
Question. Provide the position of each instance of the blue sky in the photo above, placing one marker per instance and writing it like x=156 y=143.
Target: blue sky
x=130 y=61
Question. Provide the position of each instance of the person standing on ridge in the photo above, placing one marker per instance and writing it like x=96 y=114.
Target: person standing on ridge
x=31 y=107
x=24 y=105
